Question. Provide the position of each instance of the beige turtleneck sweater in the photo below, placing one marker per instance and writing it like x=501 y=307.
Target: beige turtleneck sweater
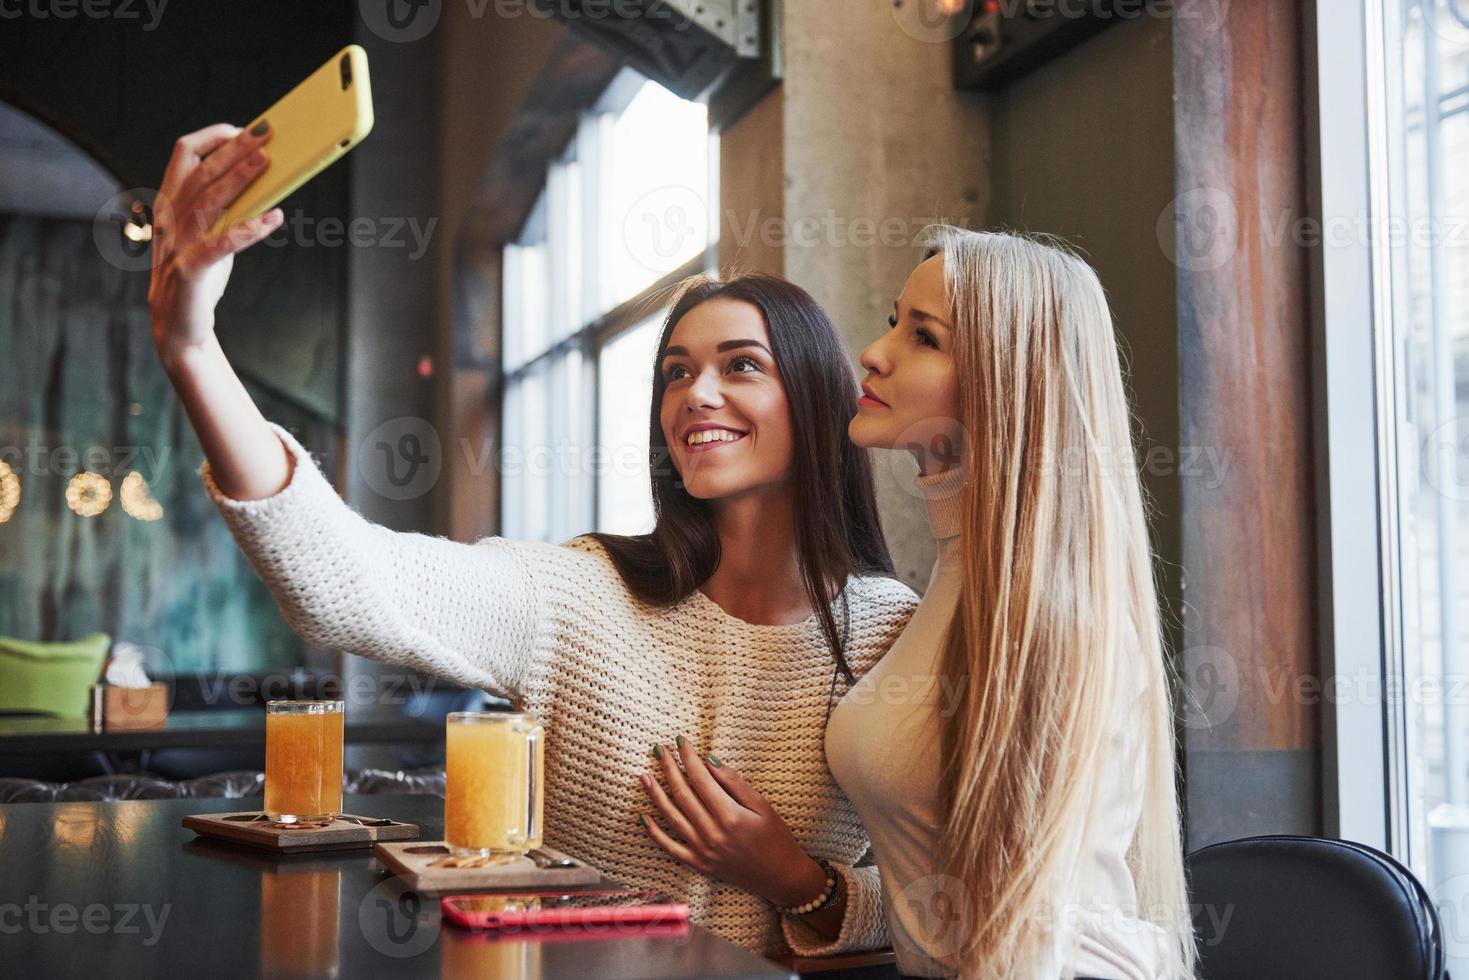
x=882 y=744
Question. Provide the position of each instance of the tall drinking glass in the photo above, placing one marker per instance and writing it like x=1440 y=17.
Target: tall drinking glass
x=494 y=779
x=303 y=760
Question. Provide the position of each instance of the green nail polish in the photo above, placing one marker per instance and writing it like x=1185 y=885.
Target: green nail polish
x=679 y=741
x=713 y=761
x=657 y=751
x=260 y=128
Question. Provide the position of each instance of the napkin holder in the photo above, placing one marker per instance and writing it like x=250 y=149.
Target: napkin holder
x=114 y=706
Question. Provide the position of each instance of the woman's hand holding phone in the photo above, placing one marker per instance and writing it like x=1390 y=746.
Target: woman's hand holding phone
x=208 y=170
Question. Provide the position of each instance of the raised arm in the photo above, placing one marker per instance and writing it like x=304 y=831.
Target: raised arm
x=467 y=612
x=207 y=171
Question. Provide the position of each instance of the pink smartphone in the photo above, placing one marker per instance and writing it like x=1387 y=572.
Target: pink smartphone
x=522 y=910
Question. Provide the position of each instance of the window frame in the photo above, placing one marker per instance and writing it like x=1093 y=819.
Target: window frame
x=1359 y=594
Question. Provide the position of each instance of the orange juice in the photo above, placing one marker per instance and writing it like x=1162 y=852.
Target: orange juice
x=303 y=759
x=494 y=774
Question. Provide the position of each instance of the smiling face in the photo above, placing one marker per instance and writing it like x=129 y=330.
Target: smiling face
x=910 y=396
x=724 y=411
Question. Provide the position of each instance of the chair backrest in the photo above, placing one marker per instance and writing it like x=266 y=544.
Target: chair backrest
x=1308 y=907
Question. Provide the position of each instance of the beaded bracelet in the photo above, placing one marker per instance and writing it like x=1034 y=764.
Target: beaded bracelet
x=828 y=894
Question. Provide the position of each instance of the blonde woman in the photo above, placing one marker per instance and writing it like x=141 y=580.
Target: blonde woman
x=1038 y=787
x=1012 y=756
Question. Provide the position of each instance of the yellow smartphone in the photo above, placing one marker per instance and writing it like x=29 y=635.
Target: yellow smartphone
x=315 y=124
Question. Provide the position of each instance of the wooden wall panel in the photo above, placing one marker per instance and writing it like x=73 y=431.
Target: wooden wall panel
x=1245 y=394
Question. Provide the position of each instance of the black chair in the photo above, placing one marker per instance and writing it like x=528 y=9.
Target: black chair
x=1302 y=908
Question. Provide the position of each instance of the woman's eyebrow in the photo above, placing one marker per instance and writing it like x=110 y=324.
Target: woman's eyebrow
x=918 y=314
x=724 y=346
x=729 y=345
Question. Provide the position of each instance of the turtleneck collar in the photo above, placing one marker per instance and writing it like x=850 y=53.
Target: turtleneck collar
x=943 y=493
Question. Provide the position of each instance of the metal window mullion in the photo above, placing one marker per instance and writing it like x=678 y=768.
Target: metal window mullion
x=590 y=425
x=512 y=314
x=1389 y=507
x=558 y=481
x=560 y=325
x=601 y=190
x=590 y=147
x=713 y=205
x=512 y=513
x=1405 y=655
x=558 y=219
x=1354 y=487
x=589 y=150
x=1446 y=408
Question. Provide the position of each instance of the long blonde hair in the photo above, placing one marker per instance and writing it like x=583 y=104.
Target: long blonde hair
x=1058 y=621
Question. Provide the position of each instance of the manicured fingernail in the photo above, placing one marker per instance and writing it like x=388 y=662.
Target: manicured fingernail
x=657 y=751
x=679 y=741
x=260 y=128
x=713 y=761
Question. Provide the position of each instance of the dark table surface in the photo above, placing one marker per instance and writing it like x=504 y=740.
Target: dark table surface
x=224 y=728
x=123 y=890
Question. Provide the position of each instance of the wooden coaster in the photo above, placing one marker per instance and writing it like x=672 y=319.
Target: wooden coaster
x=345 y=831
x=431 y=866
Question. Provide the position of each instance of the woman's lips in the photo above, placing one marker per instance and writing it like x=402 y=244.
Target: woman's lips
x=870 y=400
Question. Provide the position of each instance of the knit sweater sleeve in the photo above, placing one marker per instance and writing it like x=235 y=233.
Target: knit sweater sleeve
x=467 y=612
x=864 y=926
x=864 y=923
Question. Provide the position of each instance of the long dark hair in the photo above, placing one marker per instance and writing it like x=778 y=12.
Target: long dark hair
x=837 y=529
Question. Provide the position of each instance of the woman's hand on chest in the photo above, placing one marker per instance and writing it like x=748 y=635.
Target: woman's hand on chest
x=719 y=825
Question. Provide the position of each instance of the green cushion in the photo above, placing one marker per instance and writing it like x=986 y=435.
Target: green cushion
x=52 y=677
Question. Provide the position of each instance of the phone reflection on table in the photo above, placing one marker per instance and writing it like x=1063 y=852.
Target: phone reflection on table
x=517 y=954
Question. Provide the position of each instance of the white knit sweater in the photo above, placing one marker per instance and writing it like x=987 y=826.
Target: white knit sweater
x=553 y=628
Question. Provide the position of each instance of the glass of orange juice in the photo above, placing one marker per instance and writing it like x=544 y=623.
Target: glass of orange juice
x=303 y=760
x=494 y=778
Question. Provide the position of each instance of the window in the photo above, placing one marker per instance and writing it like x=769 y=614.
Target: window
x=625 y=213
x=1426 y=146
x=623 y=503
x=1417 y=152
